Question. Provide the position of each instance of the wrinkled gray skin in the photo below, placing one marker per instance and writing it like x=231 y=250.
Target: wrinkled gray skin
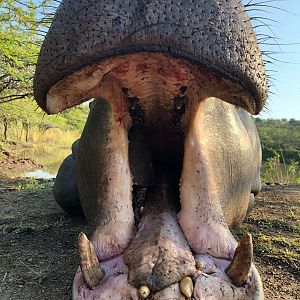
x=65 y=189
x=174 y=82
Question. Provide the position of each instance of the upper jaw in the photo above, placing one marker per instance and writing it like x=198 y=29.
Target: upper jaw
x=129 y=71
x=215 y=34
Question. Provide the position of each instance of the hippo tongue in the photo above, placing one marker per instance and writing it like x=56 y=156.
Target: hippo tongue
x=159 y=255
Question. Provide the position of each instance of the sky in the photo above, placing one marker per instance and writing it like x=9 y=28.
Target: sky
x=285 y=102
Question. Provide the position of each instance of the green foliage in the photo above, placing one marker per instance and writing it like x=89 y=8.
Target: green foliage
x=22 y=26
x=280 y=141
x=281 y=136
x=23 y=117
x=274 y=171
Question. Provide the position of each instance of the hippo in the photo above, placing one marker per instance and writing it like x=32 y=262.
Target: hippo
x=169 y=158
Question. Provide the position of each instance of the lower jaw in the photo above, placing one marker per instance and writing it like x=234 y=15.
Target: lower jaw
x=209 y=279
x=209 y=284
x=156 y=232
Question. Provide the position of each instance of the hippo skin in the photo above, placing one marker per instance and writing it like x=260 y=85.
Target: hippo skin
x=169 y=158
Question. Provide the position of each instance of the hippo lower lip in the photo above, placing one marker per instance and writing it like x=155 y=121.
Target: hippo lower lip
x=158 y=274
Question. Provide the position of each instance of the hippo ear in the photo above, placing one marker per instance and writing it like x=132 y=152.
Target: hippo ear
x=214 y=34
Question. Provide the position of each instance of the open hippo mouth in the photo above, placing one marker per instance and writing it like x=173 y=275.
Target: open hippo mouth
x=172 y=90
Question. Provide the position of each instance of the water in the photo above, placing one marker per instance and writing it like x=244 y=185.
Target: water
x=49 y=156
x=39 y=174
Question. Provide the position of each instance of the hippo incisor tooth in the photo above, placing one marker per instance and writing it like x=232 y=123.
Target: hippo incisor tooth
x=239 y=268
x=200 y=265
x=186 y=287
x=89 y=264
x=143 y=292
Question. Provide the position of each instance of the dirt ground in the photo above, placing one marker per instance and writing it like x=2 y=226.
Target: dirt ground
x=38 y=252
x=10 y=162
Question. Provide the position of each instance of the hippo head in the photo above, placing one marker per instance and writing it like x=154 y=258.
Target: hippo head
x=174 y=82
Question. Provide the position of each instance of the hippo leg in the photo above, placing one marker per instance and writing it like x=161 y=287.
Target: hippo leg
x=104 y=180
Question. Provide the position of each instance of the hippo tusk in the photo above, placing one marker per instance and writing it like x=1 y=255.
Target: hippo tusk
x=186 y=287
x=239 y=268
x=143 y=292
x=89 y=263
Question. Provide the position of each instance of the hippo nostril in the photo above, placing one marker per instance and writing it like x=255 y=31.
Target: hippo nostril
x=183 y=89
x=125 y=90
x=179 y=103
x=179 y=110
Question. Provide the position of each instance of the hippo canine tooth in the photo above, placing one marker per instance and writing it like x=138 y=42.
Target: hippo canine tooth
x=186 y=287
x=89 y=263
x=239 y=268
x=143 y=292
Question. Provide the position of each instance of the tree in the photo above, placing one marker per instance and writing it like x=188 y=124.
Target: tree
x=23 y=23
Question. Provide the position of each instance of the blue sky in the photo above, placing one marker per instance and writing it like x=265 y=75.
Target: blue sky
x=286 y=101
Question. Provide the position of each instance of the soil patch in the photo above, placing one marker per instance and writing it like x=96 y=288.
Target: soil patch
x=38 y=256
x=11 y=162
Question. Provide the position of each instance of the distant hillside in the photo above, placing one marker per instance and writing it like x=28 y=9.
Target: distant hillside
x=282 y=136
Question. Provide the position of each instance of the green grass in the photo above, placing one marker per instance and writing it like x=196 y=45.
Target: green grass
x=275 y=239
x=273 y=171
x=32 y=184
x=34 y=224
x=279 y=248
x=36 y=273
x=268 y=223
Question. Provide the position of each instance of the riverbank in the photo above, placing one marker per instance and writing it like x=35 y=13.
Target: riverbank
x=12 y=163
x=43 y=158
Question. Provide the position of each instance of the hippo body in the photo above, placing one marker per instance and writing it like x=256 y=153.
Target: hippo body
x=65 y=187
x=174 y=83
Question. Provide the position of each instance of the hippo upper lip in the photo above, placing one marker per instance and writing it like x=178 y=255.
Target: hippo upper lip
x=98 y=57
